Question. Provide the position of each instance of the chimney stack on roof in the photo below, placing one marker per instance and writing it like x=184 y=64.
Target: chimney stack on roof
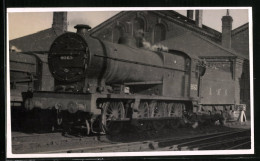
x=198 y=18
x=226 y=30
x=60 y=21
x=190 y=14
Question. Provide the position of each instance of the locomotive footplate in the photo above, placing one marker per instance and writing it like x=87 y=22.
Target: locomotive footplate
x=74 y=102
x=98 y=112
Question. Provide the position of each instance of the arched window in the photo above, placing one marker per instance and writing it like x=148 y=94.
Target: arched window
x=117 y=33
x=138 y=28
x=159 y=33
x=138 y=24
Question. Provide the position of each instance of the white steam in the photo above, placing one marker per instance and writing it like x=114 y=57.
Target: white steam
x=156 y=47
x=147 y=45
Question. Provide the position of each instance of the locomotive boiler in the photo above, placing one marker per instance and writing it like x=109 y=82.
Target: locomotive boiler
x=101 y=85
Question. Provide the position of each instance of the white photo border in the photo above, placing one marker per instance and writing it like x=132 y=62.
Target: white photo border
x=9 y=153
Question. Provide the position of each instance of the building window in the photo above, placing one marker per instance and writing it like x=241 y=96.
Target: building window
x=159 y=33
x=138 y=24
x=117 y=33
x=138 y=28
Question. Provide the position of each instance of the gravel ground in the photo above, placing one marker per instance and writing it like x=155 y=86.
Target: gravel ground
x=56 y=141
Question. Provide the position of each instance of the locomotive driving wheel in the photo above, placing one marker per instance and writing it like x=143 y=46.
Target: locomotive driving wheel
x=224 y=117
x=158 y=111
x=143 y=112
x=112 y=113
x=174 y=111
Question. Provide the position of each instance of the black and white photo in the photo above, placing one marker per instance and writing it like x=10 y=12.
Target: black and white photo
x=97 y=82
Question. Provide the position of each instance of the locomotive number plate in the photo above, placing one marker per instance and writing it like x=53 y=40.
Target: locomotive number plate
x=66 y=57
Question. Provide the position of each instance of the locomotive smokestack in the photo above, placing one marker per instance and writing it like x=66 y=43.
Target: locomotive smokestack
x=82 y=29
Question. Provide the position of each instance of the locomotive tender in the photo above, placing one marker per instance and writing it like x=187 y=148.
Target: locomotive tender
x=101 y=85
x=28 y=71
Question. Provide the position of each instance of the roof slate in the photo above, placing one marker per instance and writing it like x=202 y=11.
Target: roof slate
x=172 y=16
x=39 y=41
x=215 y=35
x=194 y=44
x=240 y=29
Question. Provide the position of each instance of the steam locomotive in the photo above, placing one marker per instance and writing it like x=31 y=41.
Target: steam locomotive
x=100 y=85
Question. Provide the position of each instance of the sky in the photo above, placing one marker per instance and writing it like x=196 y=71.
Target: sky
x=24 y=23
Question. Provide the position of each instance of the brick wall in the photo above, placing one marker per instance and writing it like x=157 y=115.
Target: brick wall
x=240 y=42
x=150 y=21
x=242 y=84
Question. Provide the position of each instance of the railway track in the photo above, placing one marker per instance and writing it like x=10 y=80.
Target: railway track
x=42 y=142
x=219 y=141
x=50 y=136
x=214 y=141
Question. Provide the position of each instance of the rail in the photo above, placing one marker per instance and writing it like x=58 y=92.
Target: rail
x=213 y=141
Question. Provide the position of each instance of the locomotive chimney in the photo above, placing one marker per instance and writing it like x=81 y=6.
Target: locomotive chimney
x=60 y=21
x=82 y=29
x=190 y=14
x=226 y=30
x=198 y=18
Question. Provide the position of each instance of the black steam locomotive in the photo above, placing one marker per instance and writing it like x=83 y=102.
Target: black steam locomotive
x=101 y=85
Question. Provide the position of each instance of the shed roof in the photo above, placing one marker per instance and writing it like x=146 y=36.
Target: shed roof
x=194 y=44
x=240 y=29
x=39 y=41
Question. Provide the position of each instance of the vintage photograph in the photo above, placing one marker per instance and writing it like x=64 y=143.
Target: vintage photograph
x=136 y=82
